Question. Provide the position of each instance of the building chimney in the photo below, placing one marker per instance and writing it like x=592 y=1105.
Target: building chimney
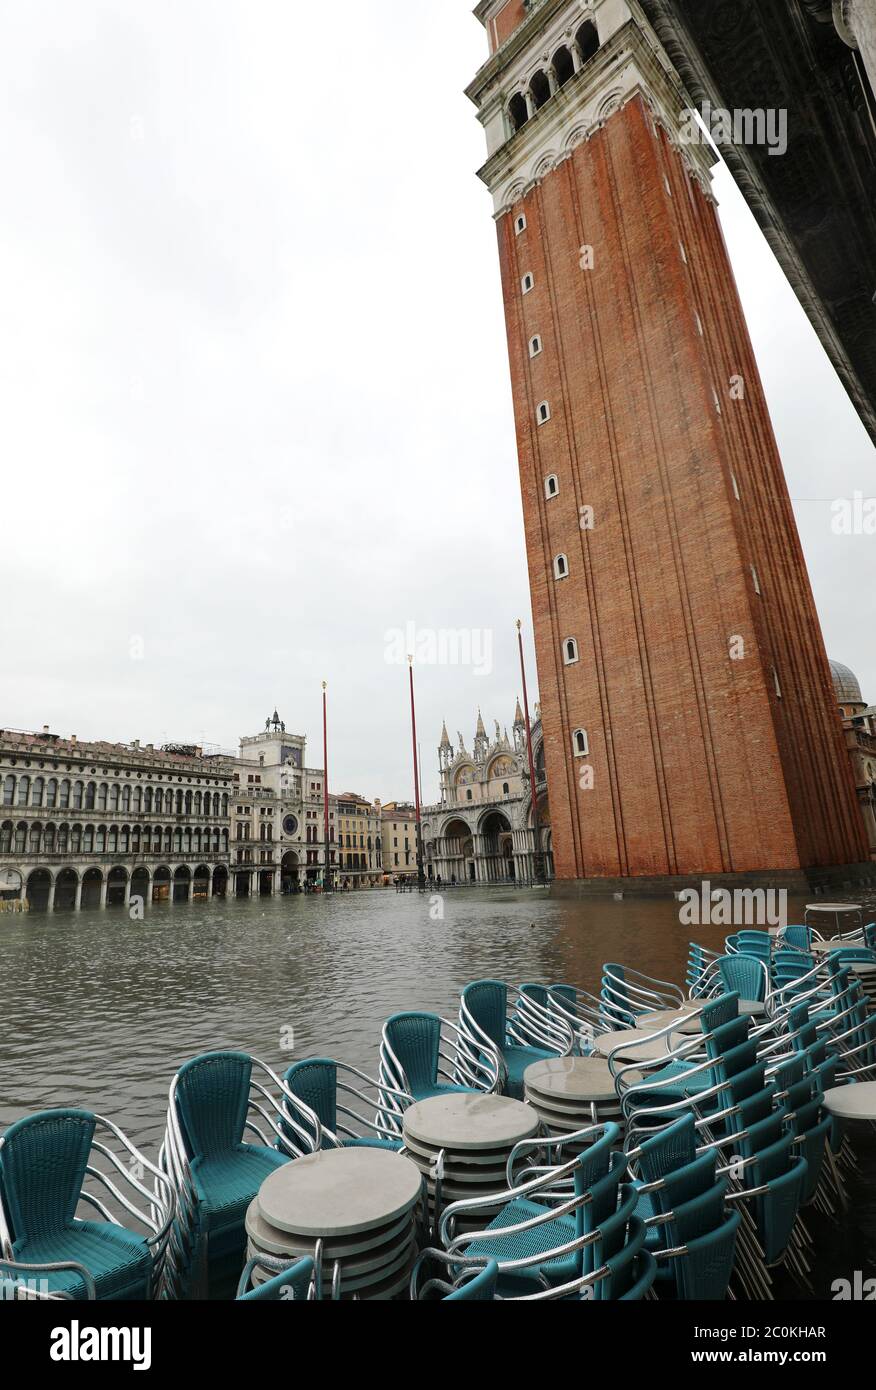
x=45 y=728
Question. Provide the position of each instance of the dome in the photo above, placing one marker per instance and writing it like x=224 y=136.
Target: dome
x=845 y=683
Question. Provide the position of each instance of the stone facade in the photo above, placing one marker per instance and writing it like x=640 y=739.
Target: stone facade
x=278 y=821
x=859 y=727
x=481 y=830
x=676 y=633
x=91 y=824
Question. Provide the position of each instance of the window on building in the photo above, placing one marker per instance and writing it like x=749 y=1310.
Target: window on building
x=520 y=222
x=527 y=283
x=756 y=578
x=544 y=413
x=580 y=744
x=561 y=567
x=570 y=651
x=535 y=346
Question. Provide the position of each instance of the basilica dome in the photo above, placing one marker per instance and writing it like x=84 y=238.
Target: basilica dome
x=845 y=684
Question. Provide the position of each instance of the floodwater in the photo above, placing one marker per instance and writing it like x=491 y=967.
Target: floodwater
x=99 y=1010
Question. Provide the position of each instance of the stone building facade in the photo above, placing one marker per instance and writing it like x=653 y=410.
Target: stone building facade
x=669 y=591
x=92 y=824
x=278 y=820
x=859 y=727
x=481 y=830
x=360 y=853
x=398 y=837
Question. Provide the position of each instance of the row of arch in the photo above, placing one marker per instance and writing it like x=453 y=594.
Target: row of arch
x=69 y=890
x=35 y=837
x=51 y=792
x=545 y=82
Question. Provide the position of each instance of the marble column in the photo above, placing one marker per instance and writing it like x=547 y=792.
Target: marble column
x=856 y=24
x=77 y=901
x=50 y=905
x=104 y=885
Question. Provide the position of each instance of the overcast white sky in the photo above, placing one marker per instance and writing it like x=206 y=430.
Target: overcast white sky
x=255 y=398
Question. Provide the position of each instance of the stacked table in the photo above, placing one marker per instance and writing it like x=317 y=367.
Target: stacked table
x=572 y=1093
x=360 y=1202
x=465 y=1141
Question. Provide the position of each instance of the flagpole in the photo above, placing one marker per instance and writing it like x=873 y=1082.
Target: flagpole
x=421 y=877
x=536 y=830
x=327 y=872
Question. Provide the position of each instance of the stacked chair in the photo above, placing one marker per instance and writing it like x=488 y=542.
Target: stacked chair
x=330 y=1090
x=215 y=1101
x=421 y=1057
x=62 y=1174
x=564 y=1231
x=502 y=1031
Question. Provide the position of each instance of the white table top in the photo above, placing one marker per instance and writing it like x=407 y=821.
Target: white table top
x=856 y=1102
x=834 y=908
x=339 y=1191
x=571 y=1078
x=470 y=1121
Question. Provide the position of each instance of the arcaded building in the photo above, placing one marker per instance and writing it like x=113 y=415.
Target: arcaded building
x=482 y=829
x=91 y=824
x=676 y=632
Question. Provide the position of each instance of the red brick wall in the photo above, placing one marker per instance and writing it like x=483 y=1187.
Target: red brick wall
x=698 y=765
x=506 y=21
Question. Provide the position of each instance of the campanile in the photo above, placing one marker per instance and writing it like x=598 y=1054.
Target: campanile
x=688 y=712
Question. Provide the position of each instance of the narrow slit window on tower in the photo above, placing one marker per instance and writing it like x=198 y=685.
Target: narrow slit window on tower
x=699 y=323
x=570 y=651
x=736 y=492
x=778 y=684
x=544 y=413
x=520 y=224
x=561 y=567
x=527 y=282
x=668 y=185
x=551 y=485
x=534 y=346
x=580 y=743
x=756 y=578
x=683 y=252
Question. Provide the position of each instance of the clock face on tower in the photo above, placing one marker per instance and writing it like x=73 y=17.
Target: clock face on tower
x=290 y=825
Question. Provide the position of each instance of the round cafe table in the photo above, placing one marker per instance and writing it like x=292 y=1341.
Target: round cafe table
x=461 y=1143
x=836 y=911
x=855 y=1102
x=359 y=1202
x=572 y=1093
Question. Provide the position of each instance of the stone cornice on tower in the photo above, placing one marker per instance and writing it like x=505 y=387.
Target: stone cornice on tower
x=630 y=63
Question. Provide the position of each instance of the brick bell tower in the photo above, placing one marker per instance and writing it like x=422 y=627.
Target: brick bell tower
x=689 y=718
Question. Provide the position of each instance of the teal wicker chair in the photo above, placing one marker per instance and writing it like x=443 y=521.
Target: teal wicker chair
x=556 y=1228
x=294 y=1284
x=329 y=1089
x=56 y=1166
x=497 y=1033
x=215 y=1100
x=461 y=1284
x=746 y=975
x=419 y=1059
